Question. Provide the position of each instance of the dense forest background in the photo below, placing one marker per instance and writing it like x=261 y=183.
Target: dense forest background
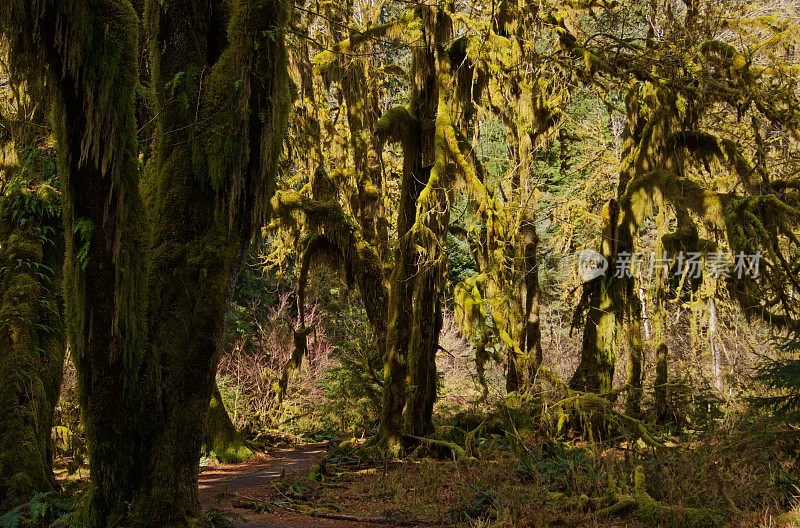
x=515 y=263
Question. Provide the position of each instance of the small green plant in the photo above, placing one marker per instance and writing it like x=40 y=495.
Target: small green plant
x=556 y=467
x=42 y=510
x=781 y=377
x=83 y=228
x=478 y=506
x=217 y=518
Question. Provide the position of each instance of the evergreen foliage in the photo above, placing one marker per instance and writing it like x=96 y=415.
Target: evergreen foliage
x=781 y=378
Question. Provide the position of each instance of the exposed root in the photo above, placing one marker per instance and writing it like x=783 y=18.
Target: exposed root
x=368 y=520
x=456 y=451
x=648 y=510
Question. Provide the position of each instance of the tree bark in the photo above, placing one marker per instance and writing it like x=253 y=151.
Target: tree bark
x=222 y=440
x=595 y=372
x=32 y=348
x=151 y=264
x=415 y=283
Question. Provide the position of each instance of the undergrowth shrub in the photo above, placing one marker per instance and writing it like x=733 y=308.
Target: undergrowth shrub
x=353 y=383
x=781 y=378
x=43 y=509
x=248 y=375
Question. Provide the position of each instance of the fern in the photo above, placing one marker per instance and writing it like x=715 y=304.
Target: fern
x=84 y=229
x=41 y=510
x=781 y=378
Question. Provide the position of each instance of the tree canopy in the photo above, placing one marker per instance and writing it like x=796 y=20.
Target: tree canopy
x=597 y=201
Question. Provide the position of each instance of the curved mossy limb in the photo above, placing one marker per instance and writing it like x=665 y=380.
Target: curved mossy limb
x=222 y=440
x=338 y=240
x=441 y=448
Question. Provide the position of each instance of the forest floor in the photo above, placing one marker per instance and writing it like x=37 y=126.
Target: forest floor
x=261 y=493
x=342 y=486
x=312 y=486
x=290 y=489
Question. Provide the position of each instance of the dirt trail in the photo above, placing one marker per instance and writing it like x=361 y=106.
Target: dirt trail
x=223 y=486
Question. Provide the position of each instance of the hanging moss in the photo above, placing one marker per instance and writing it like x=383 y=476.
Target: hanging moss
x=158 y=273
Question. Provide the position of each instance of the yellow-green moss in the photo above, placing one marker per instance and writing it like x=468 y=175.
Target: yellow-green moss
x=222 y=440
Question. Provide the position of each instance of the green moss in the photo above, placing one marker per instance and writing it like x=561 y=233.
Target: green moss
x=790 y=519
x=222 y=440
x=642 y=507
x=31 y=338
x=396 y=124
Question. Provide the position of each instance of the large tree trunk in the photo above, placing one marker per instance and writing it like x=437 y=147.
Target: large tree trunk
x=145 y=318
x=401 y=290
x=31 y=341
x=423 y=220
x=426 y=325
x=595 y=372
x=532 y=335
x=522 y=365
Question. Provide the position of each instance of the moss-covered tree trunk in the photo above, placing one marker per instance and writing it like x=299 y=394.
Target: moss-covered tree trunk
x=595 y=372
x=633 y=333
x=529 y=107
x=524 y=361
x=222 y=440
x=613 y=321
x=148 y=274
x=401 y=286
x=660 y=384
x=423 y=216
x=532 y=335
x=32 y=345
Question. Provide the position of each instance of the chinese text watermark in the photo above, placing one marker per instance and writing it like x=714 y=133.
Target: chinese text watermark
x=718 y=264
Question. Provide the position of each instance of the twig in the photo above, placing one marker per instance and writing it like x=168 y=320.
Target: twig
x=373 y=520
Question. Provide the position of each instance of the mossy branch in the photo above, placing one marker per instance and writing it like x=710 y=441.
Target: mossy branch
x=589 y=406
x=405 y=29
x=396 y=125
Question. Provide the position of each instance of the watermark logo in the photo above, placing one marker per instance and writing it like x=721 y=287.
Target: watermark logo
x=591 y=265
x=718 y=264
